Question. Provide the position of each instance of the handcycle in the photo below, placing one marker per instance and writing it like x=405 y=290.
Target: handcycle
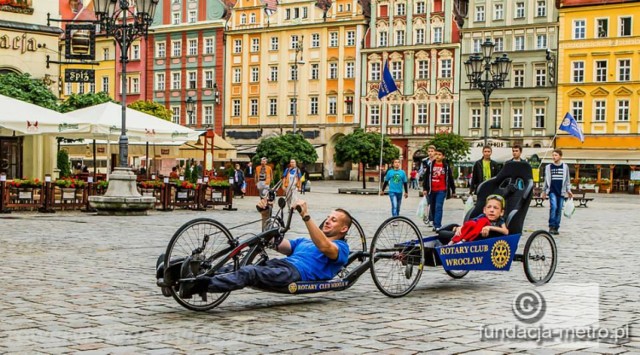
x=495 y=253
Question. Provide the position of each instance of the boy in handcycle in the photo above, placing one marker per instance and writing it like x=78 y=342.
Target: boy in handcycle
x=318 y=258
x=489 y=221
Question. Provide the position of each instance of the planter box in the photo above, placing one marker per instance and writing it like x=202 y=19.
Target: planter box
x=185 y=194
x=25 y=193
x=68 y=193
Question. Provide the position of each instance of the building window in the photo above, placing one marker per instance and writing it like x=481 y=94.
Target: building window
x=92 y=87
x=208 y=46
x=423 y=114
x=579 y=29
x=479 y=13
x=518 y=77
x=578 y=72
x=333 y=39
x=541 y=42
x=423 y=69
x=350 y=70
x=192 y=17
x=476 y=45
x=160 y=81
x=400 y=38
x=161 y=50
x=255 y=74
x=445 y=68
x=176 y=81
x=333 y=105
x=541 y=8
x=396 y=70
x=315 y=40
x=401 y=9
x=603 y=28
x=273 y=107
x=519 y=10
x=236 y=108
x=294 y=42
x=445 y=113
x=177 y=48
x=576 y=110
x=600 y=114
x=496 y=117
x=293 y=72
x=498 y=12
x=105 y=53
x=274 y=43
x=192 y=117
x=243 y=19
x=518 y=115
x=175 y=117
x=105 y=84
x=237 y=75
x=421 y=8
x=624 y=69
x=374 y=72
x=625 y=26
x=601 y=71
x=305 y=12
x=499 y=44
x=208 y=115
x=437 y=35
x=539 y=117
x=623 y=110
x=81 y=88
x=374 y=115
x=348 y=105
x=541 y=76
x=382 y=39
x=315 y=71
x=255 y=44
x=175 y=18
x=333 y=70
x=475 y=118
x=420 y=36
x=193 y=47
x=208 y=79
x=313 y=105
x=351 y=38
x=252 y=18
x=287 y=14
x=273 y=73
x=253 y=107
x=192 y=79
x=237 y=46
x=135 y=52
x=519 y=43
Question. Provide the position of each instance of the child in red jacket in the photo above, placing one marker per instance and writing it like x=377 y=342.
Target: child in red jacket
x=490 y=220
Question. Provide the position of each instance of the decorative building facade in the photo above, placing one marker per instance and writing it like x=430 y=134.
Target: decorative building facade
x=524 y=111
x=420 y=41
x=185 y=59
x=294 y=63
x=600 y=85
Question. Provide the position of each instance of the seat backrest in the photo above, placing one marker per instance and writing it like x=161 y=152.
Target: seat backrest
x=515 y=183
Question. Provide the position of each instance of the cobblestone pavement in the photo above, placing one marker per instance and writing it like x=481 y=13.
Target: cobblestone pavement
x=83 y=283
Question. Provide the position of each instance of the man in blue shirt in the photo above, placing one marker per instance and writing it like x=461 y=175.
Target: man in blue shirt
x=396 y=178
x=318 y=258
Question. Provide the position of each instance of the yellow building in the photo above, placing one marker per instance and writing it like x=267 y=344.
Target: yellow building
x=293 y=63
x=599 y=84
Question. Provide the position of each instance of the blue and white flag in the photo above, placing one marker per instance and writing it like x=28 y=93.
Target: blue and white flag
x=387 y=85
x=570 y=126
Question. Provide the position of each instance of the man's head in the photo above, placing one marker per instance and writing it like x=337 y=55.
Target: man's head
x=249 y=163
x=292 y=163
x=438 y=155
x=516 y=151
x=556 y=155
x=494 y=207
x=430 y=151
x=337 y=224
x=396 y=164
x=263 y=161
x=237 y=166
x=486 y=152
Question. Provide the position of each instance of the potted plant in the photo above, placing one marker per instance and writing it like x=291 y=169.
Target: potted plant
x=101 y=187
x=69 y=186
x=605 y=185
x=24 y=187
x=587 y=183
x=185 y=191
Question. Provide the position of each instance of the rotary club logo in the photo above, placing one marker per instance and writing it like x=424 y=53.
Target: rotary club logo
x=500 y=254
x=293 y=287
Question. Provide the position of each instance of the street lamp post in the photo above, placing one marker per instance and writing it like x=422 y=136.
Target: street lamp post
x=190 y=104
x=487 y=76
x=298 y=50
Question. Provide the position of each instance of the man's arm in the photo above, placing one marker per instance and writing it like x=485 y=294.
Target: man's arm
x=326 y=246
x=264 y=206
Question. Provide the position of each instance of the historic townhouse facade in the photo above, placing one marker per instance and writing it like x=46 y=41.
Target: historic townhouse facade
x=420 y=40
x=599 y=83
x=270 y=83
x=524 y=111
x=185 y=59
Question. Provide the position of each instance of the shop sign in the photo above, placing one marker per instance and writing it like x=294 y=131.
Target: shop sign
x=494 y=143
x=79 y=75
x=20 y=43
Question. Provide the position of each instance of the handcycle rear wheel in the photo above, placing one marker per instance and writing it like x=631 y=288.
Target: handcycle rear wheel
x=187 y=241
x=397 y=256
x=540 y=257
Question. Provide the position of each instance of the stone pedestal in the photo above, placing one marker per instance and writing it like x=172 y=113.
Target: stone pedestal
x=122 y=197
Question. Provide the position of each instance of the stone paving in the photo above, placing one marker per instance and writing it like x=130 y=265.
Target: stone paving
x=83 y=283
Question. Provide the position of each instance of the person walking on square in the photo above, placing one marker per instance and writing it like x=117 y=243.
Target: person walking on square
x=264 y=175
x=438 y=185
x=413 y=178
x=291 y=175
x=557 y=185
x=238 y=181
x=483 y=169
x=396 y=178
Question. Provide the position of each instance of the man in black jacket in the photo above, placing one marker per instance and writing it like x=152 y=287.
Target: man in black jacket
x=483 y=169
x=439 y=186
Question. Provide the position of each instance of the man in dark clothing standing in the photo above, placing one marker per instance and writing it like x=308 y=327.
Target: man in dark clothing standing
x=249 y=171
x=483 y=169
x=439 y=186
x=238 y=181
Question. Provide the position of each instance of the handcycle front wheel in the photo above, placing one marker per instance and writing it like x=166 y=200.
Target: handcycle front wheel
x=540 y=257
x=457 y=274
x=205 y=240
x=397 y=256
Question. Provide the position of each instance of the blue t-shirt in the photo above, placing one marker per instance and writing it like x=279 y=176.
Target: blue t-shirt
x=396 y=179
x=557 y=178
x=312 y=264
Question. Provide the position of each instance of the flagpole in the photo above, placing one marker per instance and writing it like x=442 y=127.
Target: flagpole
x=384 y=109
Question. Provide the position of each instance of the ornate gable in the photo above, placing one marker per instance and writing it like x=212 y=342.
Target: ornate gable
x=622 y=91
x=599 y=92
x=576 y=93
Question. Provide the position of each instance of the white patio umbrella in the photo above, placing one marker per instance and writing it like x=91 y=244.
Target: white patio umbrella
x=28 y=119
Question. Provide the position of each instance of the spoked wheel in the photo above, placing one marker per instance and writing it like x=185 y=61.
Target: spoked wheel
x=540 y=257
x=457 y=274
x=397 y=256
x=204 y=240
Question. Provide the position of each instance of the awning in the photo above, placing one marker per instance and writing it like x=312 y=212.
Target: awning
x=503 y=154
x=598 y=156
